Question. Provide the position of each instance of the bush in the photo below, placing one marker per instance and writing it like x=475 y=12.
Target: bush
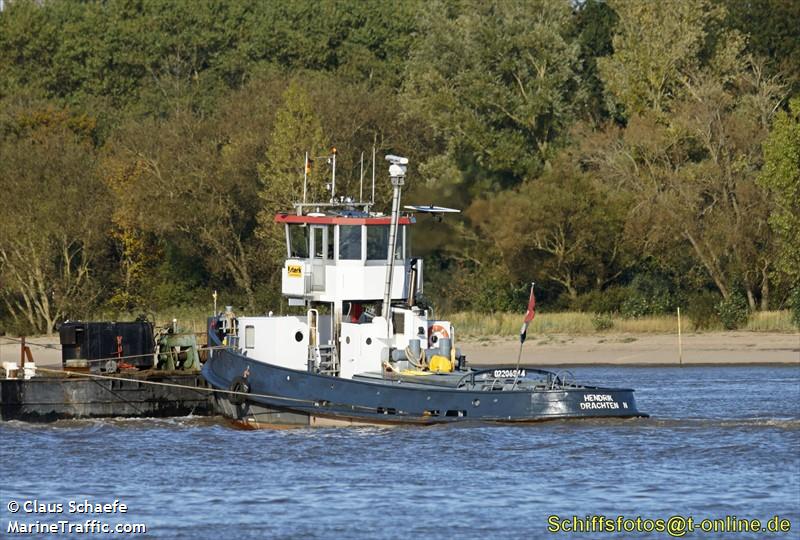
x=794 y=305
x=733 y=311
x=602 y=322
x=609 y=300
x=484 y=289
x=702 y=310
x=648 y=294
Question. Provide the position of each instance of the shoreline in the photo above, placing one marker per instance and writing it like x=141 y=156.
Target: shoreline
x=698 y=349
x=738 y=348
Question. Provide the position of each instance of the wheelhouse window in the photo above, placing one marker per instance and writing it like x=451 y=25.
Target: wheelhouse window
x=298 y=241
x=350 y=242
x=378 y=243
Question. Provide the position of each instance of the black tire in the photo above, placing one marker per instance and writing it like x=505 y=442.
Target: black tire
x=240 y=385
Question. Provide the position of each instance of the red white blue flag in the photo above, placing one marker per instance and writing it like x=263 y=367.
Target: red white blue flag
x=529 y=315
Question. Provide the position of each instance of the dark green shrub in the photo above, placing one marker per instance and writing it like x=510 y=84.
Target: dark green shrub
x=609 y=300
x=733 y=311
x=602 y=321
x=484 y=289
x=794 y=305
x=648 y=294
x=635 y=306
x=702 y=310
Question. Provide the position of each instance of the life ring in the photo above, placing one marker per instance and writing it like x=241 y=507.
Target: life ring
x=435 y=333
x=241 y=386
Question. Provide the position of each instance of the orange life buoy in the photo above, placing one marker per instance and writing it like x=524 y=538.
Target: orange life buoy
x=438 y=332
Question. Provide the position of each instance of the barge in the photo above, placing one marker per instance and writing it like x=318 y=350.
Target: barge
x=108 y=369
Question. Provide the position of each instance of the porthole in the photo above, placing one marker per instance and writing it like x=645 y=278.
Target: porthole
x=347 y=340
x=476 y=402
x=369 y=341
x=298 y=336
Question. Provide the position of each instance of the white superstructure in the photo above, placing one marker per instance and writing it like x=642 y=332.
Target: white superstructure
x=338 y=268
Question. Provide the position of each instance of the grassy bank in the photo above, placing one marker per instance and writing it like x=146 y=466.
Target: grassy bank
x=470 y=324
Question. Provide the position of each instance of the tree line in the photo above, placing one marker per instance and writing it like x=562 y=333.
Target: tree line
x=628 y=156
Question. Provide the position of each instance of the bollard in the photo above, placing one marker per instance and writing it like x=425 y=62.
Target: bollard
x=21 y=370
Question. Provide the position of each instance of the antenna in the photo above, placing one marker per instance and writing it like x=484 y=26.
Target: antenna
x=333 y=174
x=305 y=178
x=361 y=185
x=373 y=177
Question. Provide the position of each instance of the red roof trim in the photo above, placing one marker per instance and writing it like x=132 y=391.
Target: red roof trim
x=339 y=220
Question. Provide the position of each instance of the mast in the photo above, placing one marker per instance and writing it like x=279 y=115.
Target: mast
x=397 y=172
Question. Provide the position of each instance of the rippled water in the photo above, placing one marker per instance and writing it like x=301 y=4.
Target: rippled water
x=722 y=441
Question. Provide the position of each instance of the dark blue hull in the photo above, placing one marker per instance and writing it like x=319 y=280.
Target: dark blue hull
x=278 y=396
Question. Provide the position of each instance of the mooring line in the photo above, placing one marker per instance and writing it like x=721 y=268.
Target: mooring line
x=97 y=360
x=172 y=385
x=56 y=346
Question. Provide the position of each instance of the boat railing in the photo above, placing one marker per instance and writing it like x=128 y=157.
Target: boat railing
x=493 y=375
x=560 y=379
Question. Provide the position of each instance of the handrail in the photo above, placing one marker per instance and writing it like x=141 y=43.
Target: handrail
x=472 y=374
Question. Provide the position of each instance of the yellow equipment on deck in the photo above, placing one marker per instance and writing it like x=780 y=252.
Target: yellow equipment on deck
x=440 y=364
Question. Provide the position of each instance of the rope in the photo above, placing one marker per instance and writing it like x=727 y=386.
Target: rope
x=96 y=360
x=148 y=354
x=421 y=358
x=42 y=345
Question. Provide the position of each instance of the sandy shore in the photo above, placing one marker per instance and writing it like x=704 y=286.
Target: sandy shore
x=46 y=350
x=640 y=349
x=622 y=349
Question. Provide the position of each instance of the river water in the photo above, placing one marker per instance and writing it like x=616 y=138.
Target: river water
x=723 y=441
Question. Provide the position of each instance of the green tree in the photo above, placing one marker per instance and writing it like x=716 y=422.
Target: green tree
x=153 y=57
x=692 y=178
x=552 y=224
x=58 y=214
x=297 y=130
x=771 y=29
x=194 y=183
x=497 y=81
x=594 y=29
x=657 y=46
x=781 y=175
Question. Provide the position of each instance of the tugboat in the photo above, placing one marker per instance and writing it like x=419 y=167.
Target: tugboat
x=366 y=348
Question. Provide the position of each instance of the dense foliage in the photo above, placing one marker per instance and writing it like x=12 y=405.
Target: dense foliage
x=628 y=156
